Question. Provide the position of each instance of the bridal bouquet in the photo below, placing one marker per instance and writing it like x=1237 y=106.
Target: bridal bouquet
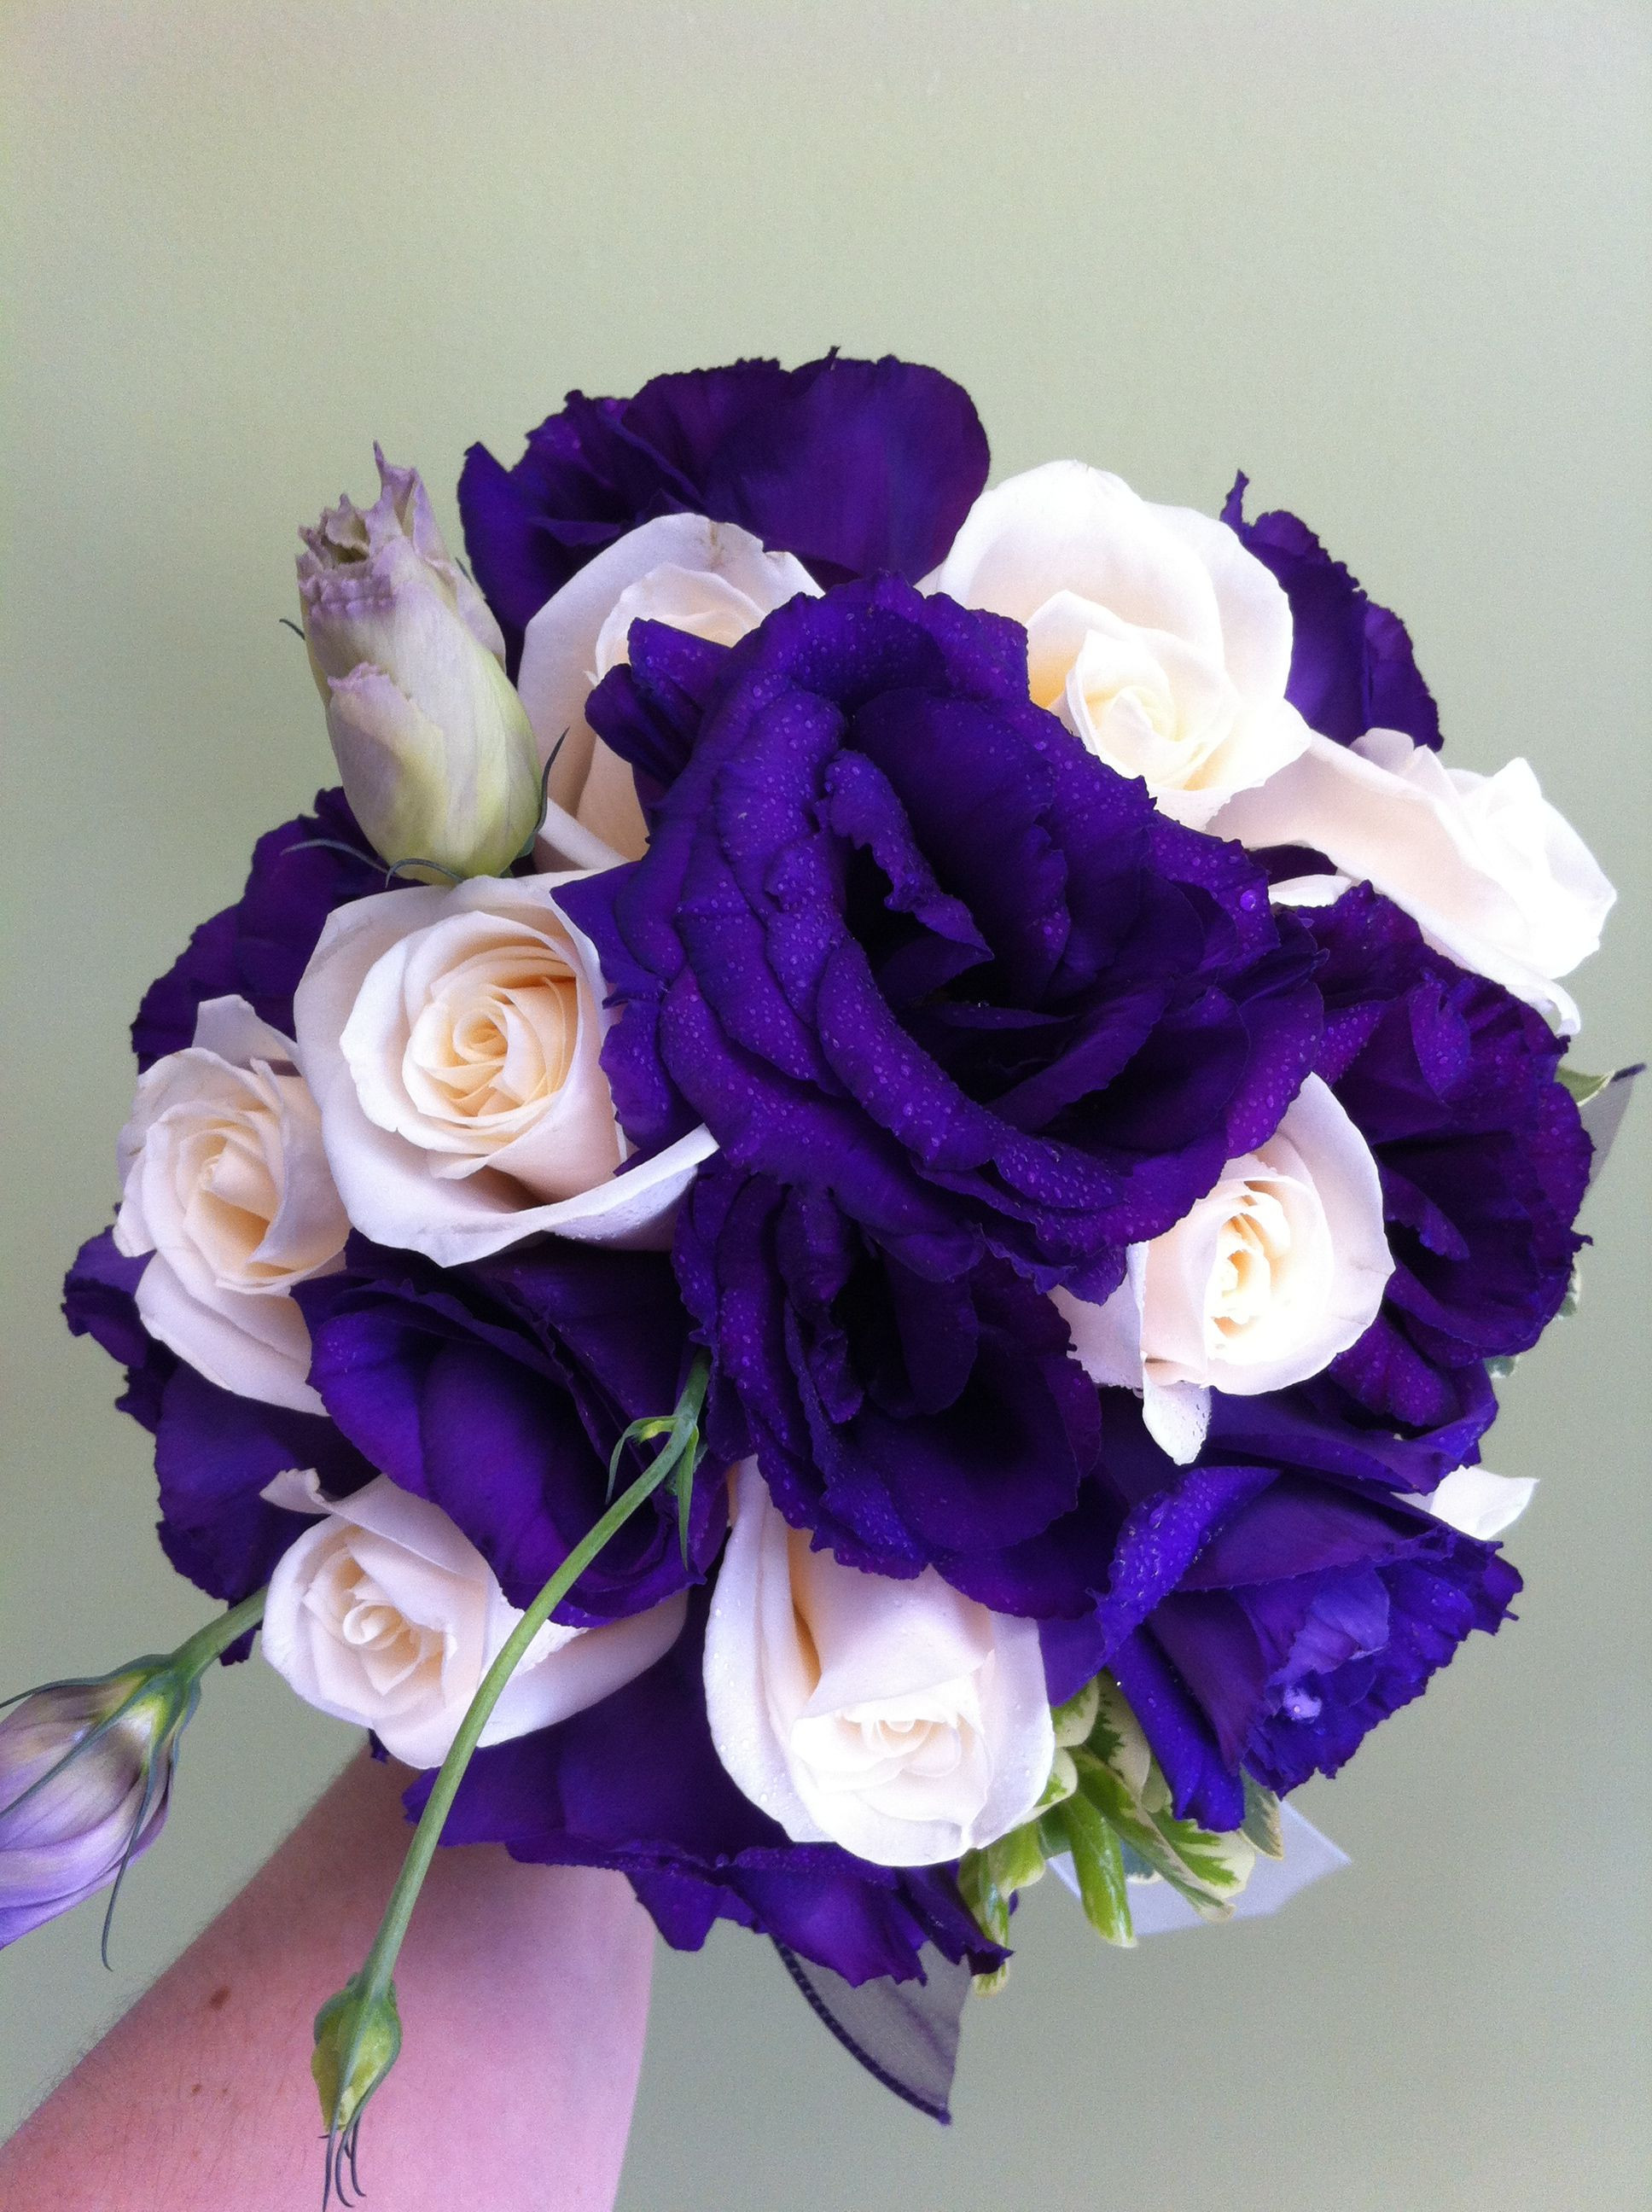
x=845 y=1224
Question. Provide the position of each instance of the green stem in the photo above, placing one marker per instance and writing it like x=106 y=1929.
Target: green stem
x=380 y=1961
x=196 y=1653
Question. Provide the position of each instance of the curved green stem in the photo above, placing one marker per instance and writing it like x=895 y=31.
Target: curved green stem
x=196 y=1653
x=380 y=1961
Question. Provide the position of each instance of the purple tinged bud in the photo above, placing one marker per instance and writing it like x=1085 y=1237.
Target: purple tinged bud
x=434 y=747
x=85 y=1770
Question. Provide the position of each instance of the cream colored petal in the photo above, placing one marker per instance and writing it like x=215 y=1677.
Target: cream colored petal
x=256 y=1347
x=385 y=1183
x=559 y=651
x=1066 y=527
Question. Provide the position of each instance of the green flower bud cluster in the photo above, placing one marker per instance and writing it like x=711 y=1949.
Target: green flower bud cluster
x=1107 y=1804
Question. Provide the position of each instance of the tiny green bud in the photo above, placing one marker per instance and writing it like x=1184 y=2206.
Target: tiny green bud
x=358 y=2038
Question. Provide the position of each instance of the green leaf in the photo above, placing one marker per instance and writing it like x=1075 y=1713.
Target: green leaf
x=1261 y=1825
x=1074 y=1720
x=1064 y=1780
x=1018 y=1859
x=1098 y=1861
x=1209 y=1870
x=1117 y=1740
x=986 y=1900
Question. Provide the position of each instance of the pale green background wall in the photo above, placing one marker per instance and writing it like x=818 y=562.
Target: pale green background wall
x=1390 y=258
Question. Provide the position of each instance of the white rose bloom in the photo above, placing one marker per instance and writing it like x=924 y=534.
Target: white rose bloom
x=452 y=1040
x=708 y=578
x=899 y=1719
x=1494 y=876
x=224 y=1181
x=1481 y=1503
x=1161 y=641
x=384 y=1614
x=1259 y=1285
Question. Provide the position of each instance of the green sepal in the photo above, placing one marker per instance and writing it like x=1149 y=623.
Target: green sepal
x=1261 y=1825
x=1209 y=1870
x=1098 y=1861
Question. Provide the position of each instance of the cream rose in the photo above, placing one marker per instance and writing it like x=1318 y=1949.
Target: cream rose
x=899 y=1719
x=1160 y=641
x=224 y=1181
x=1494 y=876
x=708 y=578
x=1259 y=1285
x=453 y=1040
x=384 y=1614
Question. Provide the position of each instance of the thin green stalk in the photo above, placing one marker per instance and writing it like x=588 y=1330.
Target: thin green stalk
x=381 y=1961
x=197 y=1652
x=358 y=2030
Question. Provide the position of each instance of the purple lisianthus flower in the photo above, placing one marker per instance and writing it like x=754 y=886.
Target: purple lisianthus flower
x=213 y=1452
x=258 y=948
x=853 y=466
x=499 y=1392
x=1352 y=668
x=1483 y=1159
x=1266 y=1607
x=899 y=937
x=909 y=1422
x=636 y=1784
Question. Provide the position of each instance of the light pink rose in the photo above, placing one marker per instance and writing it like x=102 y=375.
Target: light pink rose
x=452 y=1039
x=224 y=1181
x=897 y=1718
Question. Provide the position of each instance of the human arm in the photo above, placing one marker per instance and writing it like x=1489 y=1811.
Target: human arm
x=524 y=1996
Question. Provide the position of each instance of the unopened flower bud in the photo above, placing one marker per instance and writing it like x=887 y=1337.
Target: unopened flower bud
x=437 y=756
x=85 y=1770
x=358 y=2038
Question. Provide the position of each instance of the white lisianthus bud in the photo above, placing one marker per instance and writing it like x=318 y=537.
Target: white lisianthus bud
x=710 y=579
x=1493 y=875
x=1260 y=1285
x=1162 y=643
x=899 y=1719
x=384 y=1614
x=224 y=1181
x=432 y=744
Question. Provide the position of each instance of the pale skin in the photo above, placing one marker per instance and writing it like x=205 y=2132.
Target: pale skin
x=523 y=1994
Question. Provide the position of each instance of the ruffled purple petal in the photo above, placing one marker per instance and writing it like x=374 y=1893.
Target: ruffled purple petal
x=258 y=948
x=855 y=466
x=1352 y=668
x=213 y=1452
x=898 y=936
x=1483 y=1159
x=1271 y=1604
x=499 y=1390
